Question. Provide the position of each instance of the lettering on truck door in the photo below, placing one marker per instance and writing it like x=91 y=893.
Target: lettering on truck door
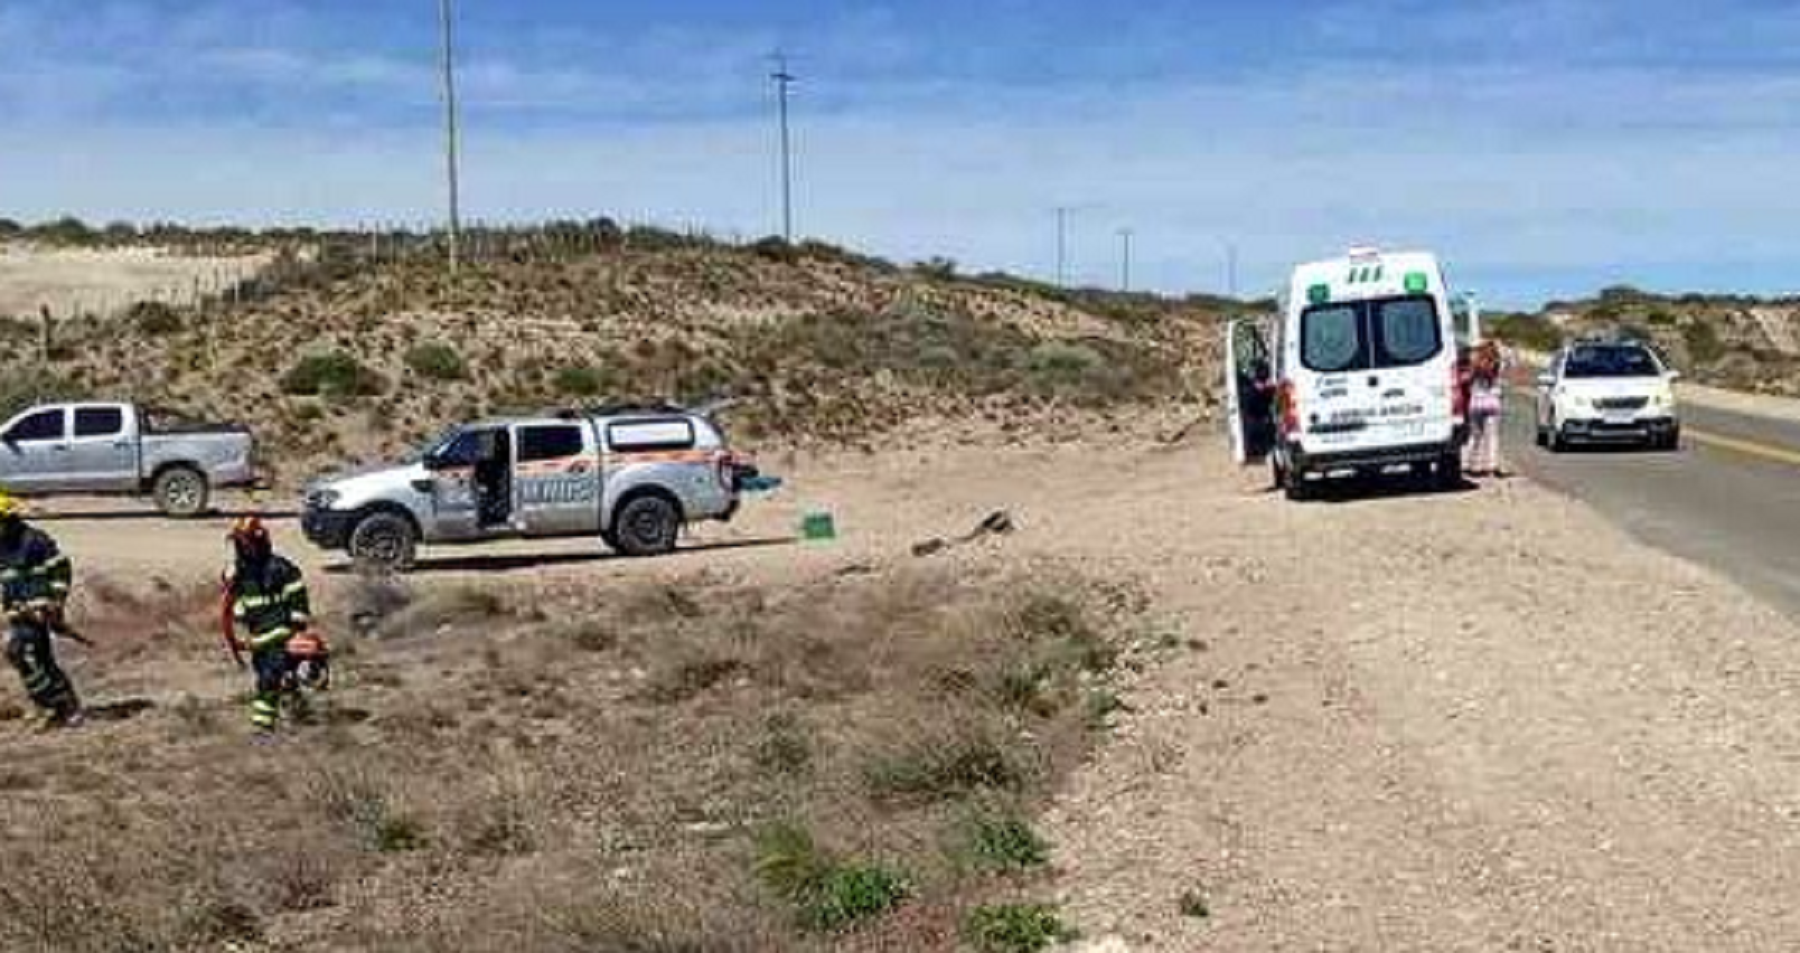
x=558 y=479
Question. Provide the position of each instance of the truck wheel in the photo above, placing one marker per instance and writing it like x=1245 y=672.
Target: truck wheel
x=181 y=492
x=384 y=542
x=646 y=526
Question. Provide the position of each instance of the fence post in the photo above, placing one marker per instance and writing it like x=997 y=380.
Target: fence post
x=44 y=313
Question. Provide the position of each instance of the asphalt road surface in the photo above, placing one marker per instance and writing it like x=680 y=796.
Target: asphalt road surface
x=1729 y=498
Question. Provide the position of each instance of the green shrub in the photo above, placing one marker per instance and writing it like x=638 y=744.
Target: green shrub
x=155 y=318
x=580 y=380
x=1015 y=928
x=438 y=362
x=826 y=894
x=936 y=769
x=1073 y=370
x=1002 y=841
x=336 y=374
x=1703 y=342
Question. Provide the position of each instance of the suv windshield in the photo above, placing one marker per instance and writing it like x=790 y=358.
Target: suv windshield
x=1611 y=360
x=1367 y=335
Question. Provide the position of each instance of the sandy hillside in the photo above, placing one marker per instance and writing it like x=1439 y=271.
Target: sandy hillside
x=1395 y=722
x=106 y=281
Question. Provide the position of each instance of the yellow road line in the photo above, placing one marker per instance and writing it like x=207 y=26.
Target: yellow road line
x=1747 y=447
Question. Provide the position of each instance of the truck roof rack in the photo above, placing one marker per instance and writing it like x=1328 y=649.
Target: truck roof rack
x=621 y=407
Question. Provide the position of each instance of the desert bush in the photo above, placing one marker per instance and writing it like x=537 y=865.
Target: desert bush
x=945 y=766
x=1703 y=342
x=155 y=318
x=1015 y=928
x=21 y=388
x=580 y=380
x=826 y=893
x=437 y=361
x=334 y=375
x=1000 y=839
x=1531 y=331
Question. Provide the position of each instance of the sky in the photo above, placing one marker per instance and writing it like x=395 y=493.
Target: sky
x=1544 y=148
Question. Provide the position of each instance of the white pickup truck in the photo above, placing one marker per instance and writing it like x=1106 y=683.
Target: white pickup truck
x=106 y=448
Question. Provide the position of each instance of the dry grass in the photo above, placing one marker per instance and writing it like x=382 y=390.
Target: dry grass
x=707 y=768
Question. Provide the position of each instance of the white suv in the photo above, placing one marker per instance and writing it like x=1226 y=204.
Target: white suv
x=1607 y=392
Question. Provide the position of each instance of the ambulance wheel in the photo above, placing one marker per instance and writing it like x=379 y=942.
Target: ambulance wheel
x=1448 y=472
x=1295 y=485
x=647 y=525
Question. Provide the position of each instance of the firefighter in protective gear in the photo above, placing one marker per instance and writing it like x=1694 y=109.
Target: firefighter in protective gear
x=35 y=577
x=268 y=613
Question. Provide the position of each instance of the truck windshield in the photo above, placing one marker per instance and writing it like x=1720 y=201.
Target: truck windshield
x=1613 y=360
x=435 y=448
x=1370 y=335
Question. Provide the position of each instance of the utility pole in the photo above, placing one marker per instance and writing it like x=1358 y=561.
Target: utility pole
x=1125 y=260
x=1062 y=245
x=450 y=137
x=784 y=79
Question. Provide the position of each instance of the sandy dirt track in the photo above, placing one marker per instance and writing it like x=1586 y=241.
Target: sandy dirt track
x=1477 y=721
x=103 y=282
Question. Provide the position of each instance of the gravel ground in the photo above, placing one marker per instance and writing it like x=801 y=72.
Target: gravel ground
x=1475 y=721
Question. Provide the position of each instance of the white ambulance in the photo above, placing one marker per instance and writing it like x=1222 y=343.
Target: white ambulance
x=1359 y=372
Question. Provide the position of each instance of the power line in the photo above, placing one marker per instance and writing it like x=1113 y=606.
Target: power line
x=450 y=133
x=784 y=79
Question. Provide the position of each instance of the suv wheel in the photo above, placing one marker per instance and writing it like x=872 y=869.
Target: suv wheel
x=384 y=542
x=646 y=526
x=181 y=492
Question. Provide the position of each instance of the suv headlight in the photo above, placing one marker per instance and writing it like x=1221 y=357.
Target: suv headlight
x=322 y=499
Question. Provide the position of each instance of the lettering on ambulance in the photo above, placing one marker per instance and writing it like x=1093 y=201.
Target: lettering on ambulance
x=552 y=482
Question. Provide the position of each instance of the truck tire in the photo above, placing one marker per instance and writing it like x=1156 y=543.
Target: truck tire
x=646 y=526
x=181 y=492
x=383 y=542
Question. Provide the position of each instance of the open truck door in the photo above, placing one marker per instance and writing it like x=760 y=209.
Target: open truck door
x=1465 y=309
x=1249 y=392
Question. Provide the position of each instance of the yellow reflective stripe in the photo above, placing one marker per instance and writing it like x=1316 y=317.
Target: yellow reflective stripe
x=58 y=560
x=293 y=587
x=271 y=637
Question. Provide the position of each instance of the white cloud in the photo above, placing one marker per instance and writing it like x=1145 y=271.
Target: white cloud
x=1513 y=169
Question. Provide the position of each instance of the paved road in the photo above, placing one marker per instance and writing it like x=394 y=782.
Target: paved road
x=1730 y=498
